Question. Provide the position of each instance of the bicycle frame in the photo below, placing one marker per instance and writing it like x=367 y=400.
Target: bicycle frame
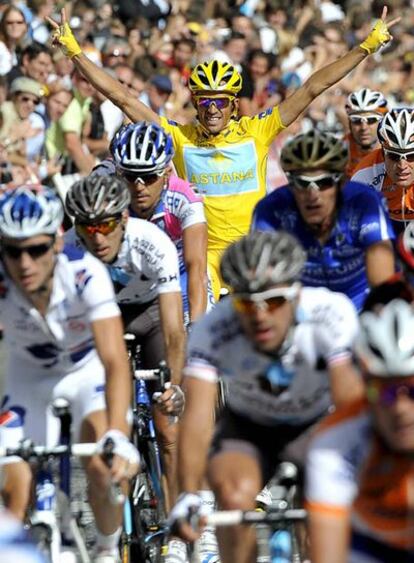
x=49 y=497
x=146 y=442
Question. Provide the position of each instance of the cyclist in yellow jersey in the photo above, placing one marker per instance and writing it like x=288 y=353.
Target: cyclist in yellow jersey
x=224 y=156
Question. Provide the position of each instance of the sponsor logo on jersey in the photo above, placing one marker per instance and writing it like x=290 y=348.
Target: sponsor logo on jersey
x=12 y=418
x=82 y=278
x=222 y=171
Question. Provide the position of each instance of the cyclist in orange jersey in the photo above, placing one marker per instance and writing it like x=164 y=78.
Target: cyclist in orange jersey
x=360 y=470
x=365 y=109
x=390 y=169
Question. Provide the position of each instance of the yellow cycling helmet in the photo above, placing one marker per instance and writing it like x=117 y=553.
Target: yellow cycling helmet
x=215 y=76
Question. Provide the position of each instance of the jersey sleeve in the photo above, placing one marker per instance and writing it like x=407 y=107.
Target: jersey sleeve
x=189 y=206
x=375 y=222
x=95 y=287
x=265 y=126
x=335 y=454
x=338 y=322
x=201 y=362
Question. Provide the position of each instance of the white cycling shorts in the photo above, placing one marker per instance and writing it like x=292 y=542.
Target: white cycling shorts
x=31 y=393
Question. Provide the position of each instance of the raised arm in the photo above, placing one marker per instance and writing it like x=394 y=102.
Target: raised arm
x=63 y=37
x=292 y=107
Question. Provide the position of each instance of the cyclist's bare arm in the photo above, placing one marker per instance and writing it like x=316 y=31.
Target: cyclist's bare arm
x=106 y=84
x=346 y=383
x=292 y=107
x=114 y=90
x=195 y=258
x=110 y=345
x=379 y=262
x=329 y=537
x=196 y=431
x=171 y=315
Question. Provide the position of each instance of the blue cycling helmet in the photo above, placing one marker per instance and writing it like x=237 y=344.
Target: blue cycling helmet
x=144 y=148
x=28 y=211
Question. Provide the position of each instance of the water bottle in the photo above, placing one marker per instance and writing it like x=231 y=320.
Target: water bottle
x=281 y=547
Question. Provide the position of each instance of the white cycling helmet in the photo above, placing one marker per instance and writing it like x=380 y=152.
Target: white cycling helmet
x=30 y=210
x=396 y=129
x=142 y=148
x=385 y=346
x=365 y=100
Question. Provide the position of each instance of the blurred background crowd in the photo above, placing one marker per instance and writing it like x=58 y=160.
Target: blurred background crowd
x=53 y=122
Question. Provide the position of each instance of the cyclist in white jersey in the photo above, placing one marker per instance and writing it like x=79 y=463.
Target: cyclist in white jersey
x=63 y=334
x=285 y=353
x=142 y=262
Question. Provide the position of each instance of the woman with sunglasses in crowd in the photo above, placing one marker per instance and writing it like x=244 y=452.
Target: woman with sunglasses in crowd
x=346 y=232
x=390 y=168
x=13 y=30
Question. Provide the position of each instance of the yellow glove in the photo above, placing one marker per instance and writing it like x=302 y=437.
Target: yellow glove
x=63 y=36
x=378 y=37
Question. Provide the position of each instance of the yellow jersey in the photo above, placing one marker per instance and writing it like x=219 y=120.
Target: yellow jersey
x=228 y=170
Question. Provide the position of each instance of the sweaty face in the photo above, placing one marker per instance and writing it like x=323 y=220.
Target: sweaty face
x=103 y=246
x=31 y=268
x=363 y=127
x=400 y=171
x=267 y=325
x=146 y=194
x=392 y=403
x=212 y=117
x=316 y=206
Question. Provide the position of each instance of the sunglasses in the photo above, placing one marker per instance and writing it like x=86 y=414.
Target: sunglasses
x=220 y=103
x=395 y=156
x=368 y=119
x=320 y=183
x=145 y=179
x=15 y=22
x=26 y=99
x=387 y=394
x=270 y=300
x=104 y=228
x=34 y=251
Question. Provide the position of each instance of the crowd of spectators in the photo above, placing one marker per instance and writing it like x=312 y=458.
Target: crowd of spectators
x=52 y=120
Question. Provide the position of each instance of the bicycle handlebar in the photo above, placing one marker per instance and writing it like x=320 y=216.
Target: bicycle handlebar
x=27 y=450
x=234 y=517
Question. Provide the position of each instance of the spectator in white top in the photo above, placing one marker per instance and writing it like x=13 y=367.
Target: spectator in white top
x=13 y=30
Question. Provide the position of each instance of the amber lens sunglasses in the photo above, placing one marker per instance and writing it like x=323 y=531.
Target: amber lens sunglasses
x=103 y=228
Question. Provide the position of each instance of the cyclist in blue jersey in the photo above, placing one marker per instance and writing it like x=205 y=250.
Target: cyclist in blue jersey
x=346 y=231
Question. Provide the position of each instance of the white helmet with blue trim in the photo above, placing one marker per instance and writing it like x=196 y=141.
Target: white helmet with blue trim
x=28 y=211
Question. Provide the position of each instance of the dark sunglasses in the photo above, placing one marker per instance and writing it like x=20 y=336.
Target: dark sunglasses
x=397 y=156
x=368 y=119
x=220 y=103
x=103 y=228
x=387 y=394
x=34 y=251
x=27 y=99
x=321 y=183
x=145 y=179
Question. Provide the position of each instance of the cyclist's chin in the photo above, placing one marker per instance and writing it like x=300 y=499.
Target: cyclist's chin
x=214 y=126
